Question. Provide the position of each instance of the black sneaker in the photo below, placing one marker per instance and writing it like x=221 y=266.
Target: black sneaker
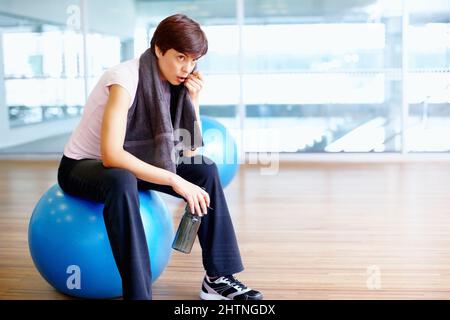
x=227 y=288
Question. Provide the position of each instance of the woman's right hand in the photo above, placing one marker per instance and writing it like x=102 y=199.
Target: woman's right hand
x=196 y=197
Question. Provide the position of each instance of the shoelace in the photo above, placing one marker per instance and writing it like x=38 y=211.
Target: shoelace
x=232 y=281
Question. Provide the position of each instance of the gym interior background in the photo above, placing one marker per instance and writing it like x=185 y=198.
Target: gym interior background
x=341 y=115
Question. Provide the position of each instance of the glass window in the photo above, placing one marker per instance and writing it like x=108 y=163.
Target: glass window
x=292 y=76
x=322 y=79
x=43 y=73
x=429 y=77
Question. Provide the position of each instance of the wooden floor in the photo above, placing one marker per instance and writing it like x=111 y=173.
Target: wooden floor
x=313 y=231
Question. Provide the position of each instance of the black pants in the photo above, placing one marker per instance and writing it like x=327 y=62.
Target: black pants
x=118 y=190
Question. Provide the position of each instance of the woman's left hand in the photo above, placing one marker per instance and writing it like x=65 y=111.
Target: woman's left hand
x=194 y=84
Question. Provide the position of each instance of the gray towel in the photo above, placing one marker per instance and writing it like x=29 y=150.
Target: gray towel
x=154 y=133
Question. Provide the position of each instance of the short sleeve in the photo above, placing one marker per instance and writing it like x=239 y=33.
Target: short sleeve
x=122 y=77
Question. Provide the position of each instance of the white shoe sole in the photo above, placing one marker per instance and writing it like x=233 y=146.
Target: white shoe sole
x=212 y=296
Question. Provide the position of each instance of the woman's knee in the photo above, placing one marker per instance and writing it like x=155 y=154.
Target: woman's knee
x=122 y=180
x=206 y=168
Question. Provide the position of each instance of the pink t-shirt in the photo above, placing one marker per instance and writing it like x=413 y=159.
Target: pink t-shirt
x=84 y=143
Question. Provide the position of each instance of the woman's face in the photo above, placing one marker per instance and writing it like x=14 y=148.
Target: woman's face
x=174 y=66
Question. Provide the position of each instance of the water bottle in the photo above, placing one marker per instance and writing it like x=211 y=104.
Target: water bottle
x=187 y=231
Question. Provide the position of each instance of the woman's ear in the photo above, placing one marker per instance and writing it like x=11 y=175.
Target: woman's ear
x=158 y=52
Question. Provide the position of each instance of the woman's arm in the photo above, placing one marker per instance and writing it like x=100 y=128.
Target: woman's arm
x=191 y=153
x=113 y=155
x=113 y=136
x=194 y=84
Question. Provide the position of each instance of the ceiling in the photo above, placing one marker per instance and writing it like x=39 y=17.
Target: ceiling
x=267 y=11
x=292 y=11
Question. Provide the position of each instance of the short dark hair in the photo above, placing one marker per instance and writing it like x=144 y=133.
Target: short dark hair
x=181 y=33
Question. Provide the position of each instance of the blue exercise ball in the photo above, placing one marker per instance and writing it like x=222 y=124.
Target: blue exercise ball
x=70 y=248
x=220 y=147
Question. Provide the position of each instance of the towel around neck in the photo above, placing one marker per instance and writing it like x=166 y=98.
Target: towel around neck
x=158 y=129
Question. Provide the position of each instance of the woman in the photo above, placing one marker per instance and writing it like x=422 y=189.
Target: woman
x=132 y=136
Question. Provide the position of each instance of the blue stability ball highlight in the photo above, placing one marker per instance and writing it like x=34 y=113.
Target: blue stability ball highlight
x=220 y=147
x=70 y=248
